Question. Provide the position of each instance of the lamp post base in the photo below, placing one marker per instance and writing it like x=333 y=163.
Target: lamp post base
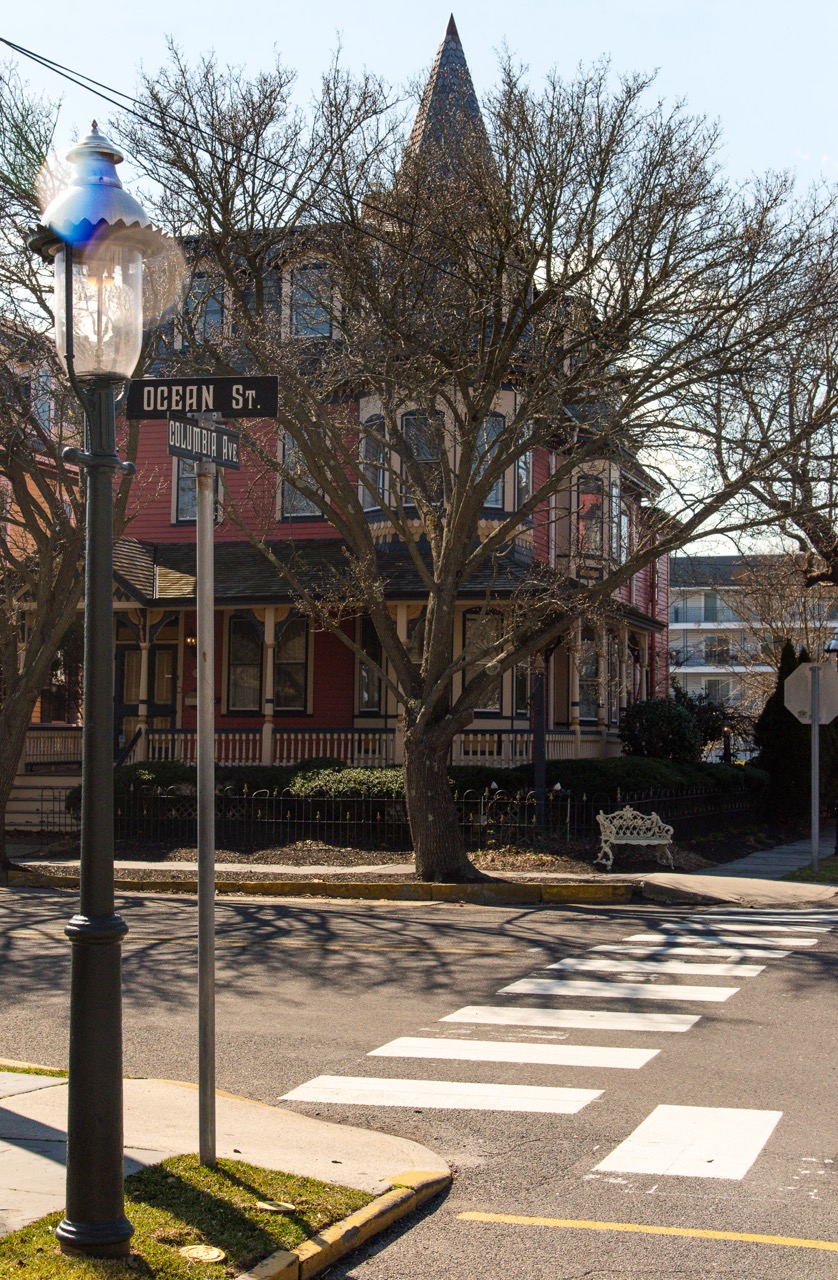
x=99 y=1240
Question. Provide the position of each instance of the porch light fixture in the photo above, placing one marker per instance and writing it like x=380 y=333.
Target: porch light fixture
x=97 y=236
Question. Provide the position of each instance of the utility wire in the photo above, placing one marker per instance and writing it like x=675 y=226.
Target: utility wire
x=132 y=106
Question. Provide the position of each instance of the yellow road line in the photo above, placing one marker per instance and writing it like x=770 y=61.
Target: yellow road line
x=638 y=1228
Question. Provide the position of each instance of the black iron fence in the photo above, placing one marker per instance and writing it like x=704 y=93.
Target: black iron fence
x=489 y=819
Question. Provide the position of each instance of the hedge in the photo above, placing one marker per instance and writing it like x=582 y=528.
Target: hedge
x=626 y=774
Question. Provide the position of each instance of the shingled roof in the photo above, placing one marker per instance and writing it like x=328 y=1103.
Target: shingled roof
x=164 y=573
x=449 y=114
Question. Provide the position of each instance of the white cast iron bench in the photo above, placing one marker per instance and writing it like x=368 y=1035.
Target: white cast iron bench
x=627 y=826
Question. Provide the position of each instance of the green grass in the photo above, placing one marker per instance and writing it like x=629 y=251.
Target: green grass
x=33 y=1071
x=179 y=1203
x=827 y=873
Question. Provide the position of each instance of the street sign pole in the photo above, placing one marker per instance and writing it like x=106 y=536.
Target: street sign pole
x=205 y=599
x=816 y=782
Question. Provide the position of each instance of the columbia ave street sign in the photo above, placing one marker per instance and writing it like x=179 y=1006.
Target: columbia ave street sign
x=203 y=442
x=229 y=397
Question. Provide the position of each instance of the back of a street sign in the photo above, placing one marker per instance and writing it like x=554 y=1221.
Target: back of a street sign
x=797 y=692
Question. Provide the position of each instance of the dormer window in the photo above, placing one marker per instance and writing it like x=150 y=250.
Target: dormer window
x=310 y=301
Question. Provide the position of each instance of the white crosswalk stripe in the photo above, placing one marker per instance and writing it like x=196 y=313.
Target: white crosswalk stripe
x=694 y=1142
x=604 y=990
x=557 y=1055
x=371 y=1091
x=676 y=949
x=729 y=939
x=583 y=964
x=747 y=927
x=578 y=1019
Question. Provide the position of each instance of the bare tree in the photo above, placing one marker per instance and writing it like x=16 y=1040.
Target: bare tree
x=42 y=505
x=577 y=263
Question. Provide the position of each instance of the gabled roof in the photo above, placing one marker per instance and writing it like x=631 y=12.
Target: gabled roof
x=449 y=116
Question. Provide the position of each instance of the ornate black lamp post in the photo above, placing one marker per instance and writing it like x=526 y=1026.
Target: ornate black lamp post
x=97 y=236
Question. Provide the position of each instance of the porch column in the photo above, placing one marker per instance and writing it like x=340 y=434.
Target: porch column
x=644 y=669
x=142 y=709
x=398 y=709
x=573 y=658
x=601 y=644
x=268 y=708
x=623 y=670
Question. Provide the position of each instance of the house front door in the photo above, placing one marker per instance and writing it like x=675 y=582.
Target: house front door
x=162 y=689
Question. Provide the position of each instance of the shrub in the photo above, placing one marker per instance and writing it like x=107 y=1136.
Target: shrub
x=662 y=729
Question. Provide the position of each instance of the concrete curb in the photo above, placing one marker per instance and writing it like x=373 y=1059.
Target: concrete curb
x=410 y=1190
x=488 y=893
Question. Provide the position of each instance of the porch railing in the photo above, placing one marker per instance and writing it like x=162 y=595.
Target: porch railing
x=509 y=748
x=374 y=748
x=49 y=744
x=232 y=746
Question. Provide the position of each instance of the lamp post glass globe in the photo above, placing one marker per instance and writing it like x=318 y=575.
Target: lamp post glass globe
x=107 y=309
x=98 y=231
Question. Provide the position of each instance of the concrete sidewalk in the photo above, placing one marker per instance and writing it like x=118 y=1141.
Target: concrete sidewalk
x=161 y=1119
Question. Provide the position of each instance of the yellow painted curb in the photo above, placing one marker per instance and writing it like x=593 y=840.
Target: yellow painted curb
x=489 y=893
x=410 y=1190
x=9 y=1064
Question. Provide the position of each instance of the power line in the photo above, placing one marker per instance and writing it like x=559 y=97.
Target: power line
x=105 y=92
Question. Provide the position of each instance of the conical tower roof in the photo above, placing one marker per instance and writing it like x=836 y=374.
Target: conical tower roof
x=449 y=112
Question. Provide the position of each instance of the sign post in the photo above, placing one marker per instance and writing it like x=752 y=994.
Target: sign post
x=811 y=694
x=205 y=605
x=192 y=407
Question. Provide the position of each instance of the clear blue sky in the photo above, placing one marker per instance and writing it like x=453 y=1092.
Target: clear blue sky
x=766 y=70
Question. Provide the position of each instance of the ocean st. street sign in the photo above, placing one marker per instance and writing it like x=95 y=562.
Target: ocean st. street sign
x=229 y=397
x=203 y=442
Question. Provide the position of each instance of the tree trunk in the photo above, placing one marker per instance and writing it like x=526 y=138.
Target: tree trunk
x=432 y=814
x=14 y=721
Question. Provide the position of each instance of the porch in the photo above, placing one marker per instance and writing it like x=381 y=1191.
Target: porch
x=52 y=748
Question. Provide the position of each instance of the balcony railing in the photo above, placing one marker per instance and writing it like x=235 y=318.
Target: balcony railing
x=681 y=613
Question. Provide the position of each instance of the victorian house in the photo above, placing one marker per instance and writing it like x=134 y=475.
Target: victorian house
x=288 y=691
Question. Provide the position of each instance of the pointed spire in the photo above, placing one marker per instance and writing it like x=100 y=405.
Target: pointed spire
x=449 y=104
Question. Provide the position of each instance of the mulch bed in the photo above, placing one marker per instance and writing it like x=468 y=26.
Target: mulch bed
x=698 y=854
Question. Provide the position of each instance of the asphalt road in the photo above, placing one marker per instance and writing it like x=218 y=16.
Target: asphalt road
x=309 y=989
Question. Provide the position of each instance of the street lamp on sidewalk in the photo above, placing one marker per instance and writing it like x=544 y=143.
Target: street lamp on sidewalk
x=97 y=236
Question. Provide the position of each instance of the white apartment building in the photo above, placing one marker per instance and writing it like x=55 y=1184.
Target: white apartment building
x=729 y=617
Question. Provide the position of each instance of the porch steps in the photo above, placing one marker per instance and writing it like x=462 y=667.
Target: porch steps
x=37 y=802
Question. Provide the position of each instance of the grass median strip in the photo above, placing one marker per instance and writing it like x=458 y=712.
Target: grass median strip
x=648 y=1229
x=180 y=1203
x=827 y=873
